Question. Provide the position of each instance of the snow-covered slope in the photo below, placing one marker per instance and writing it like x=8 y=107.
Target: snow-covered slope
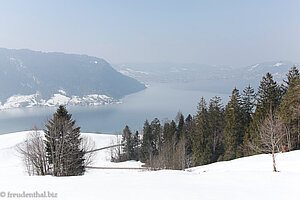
x=29 y=78
x=278 y=69
x=245 y=178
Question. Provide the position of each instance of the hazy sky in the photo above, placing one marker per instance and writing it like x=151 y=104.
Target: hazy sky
x=234 y=32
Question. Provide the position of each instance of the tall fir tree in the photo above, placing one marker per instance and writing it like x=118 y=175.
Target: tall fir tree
x=156 y=132
x=169 y=132
x=234 y=127
x=168 y=146
x=165 y=132
x=216 y=126
x=127 y=140
x=147 y=143
x=201 y=141
x=63 y=144
x=268 y=98
x=290 y=108
x=248 y=103
x=136 y=146
x=180 y=127
x=188 y=132
x=292 y=78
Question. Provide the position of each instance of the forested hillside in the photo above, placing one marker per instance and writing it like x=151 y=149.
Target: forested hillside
x=252 y=122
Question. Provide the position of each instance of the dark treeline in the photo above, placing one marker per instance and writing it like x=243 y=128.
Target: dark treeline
x=218 y=132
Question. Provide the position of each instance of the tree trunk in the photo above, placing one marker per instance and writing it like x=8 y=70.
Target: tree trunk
x=274 y=163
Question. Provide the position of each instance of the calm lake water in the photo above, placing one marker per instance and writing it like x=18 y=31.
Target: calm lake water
x=158 y=100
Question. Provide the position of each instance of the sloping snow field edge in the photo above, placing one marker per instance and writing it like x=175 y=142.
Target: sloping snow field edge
x=244 y=178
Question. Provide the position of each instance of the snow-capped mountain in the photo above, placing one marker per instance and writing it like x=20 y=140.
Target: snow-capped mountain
x=219 y=75
x=169 y=72
x=60 y=98
x=30 y=78
x=278 y=69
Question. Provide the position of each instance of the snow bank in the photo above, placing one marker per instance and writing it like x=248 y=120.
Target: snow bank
x=244 y=178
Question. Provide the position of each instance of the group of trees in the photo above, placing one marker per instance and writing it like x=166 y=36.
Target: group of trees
x=265 y=121
x=60 y=151
x=130 y=149
x=161 y=146
x=250 y=123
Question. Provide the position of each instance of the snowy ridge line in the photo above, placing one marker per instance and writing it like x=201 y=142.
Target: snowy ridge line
x=61 y=98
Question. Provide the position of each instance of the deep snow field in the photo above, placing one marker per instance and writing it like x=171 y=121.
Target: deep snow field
x=241 y=179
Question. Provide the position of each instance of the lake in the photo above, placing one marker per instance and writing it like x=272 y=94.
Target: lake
x=161 y=100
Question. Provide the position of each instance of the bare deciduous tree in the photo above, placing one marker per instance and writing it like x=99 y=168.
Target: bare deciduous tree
x=170 y=156
x=33 y=153
x=115 y=152
x=271 y=133
x=88 y=145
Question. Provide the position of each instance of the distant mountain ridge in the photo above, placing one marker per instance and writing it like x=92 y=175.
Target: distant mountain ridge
x=203 y=77
x=29 y=78
x=278 y=69
x=168 y=72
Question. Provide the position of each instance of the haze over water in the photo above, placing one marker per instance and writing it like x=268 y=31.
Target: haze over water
x=159 y=100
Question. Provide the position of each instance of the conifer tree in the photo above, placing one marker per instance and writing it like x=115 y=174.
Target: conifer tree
x=248 y=103
x=169 y=132
x=216 y=126
x=172 y=136
x=127 y=140
x=147 y=143
x=188 y=119
x=268 y=97
x=188 y=140
x=167 y=149
x=62 y=139
x=201 y=141
x=156 y=132
x=290 y=108
x=166 y=130
x=292 y=78
x=136 y=146
x=234 y=129
x=180 y=127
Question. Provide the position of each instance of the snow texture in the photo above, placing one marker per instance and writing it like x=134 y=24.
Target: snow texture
x=61 y=98
x=245 y=178
x=278 y=64
x=253 y=67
